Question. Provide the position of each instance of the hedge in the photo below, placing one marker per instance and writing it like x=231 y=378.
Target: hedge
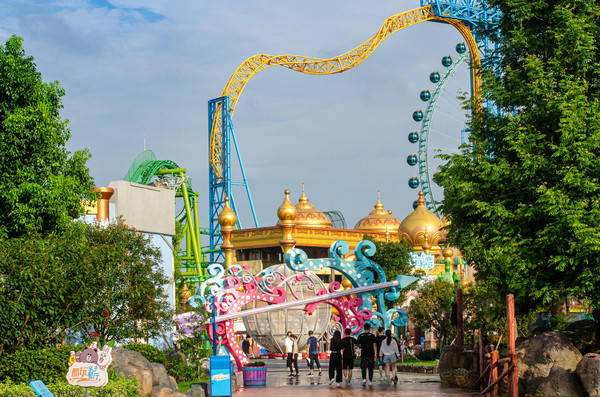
x=50 y=365
x=151 y=353
x=114 y=388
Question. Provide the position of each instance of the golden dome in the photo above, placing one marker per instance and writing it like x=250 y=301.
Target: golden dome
x=378 y=220
x=227 y=218
x=422 y=228
x=286 y=212
x=308 y=215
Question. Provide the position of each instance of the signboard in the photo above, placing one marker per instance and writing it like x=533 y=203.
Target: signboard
x=88 y=368
x=422 y=262
x=40 y=388
x=220 y=376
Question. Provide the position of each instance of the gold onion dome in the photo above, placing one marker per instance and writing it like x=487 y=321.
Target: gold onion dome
x=422 y=228
x=307 y=215
x=227 y=218
x=286 y=211
x=378 y=220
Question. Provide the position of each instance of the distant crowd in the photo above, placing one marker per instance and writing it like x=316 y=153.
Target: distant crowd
x=381 y=349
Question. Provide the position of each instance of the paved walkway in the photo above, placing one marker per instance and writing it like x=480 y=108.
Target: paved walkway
x=279 y=384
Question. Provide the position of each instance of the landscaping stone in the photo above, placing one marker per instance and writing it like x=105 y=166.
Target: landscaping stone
x=560 y=383
x=152 y=377
x=588 y=371
x=456 y=367
x=539 y=355
x=195 y=391
x=133 y=365
x=582 y=335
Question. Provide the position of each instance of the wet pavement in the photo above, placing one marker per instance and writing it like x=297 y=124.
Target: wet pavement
x=409 y=384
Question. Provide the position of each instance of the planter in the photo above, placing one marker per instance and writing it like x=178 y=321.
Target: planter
x=255 y=376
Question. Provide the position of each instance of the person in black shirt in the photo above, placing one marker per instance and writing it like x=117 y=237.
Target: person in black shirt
x=335 y=359
x=368 y=348
x=246 y=345
x=380 y=335
x=348 y=344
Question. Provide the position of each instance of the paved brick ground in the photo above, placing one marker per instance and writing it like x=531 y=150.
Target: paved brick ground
x=279 y=384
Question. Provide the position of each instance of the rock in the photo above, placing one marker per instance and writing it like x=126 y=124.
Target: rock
x=133 y=365
x=161 y=379
x=195 y=390
x=582 y=335
x=588 y=371
x=560 y=383
x=166 y=392
x=456 y=367
x=538 y=355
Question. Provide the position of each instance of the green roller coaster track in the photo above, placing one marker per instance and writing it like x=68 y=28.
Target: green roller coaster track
x=144 y=169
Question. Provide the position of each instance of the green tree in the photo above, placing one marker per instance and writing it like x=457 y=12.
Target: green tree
x=392 y=256
x=523 y=197
x=88 y=278
x=432 y=308
x=41 y=184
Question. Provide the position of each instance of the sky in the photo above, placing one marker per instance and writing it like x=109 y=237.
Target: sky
x=141 y=72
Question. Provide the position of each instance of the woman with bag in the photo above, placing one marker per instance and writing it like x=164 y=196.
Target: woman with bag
x=388 y=353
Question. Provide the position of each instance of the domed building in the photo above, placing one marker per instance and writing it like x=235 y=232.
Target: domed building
x=423 y=229
x=379 y=221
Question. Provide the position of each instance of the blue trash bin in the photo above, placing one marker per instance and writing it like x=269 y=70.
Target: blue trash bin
x=220 y=376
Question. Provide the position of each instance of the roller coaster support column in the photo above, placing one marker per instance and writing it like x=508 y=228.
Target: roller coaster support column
x=219 y=172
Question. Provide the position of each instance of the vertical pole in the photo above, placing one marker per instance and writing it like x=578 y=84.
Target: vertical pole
x=213 y=315
x=190 y=219
x=513 y=377
x=495 y=354
x=86 y=392
x=480 y=337
x=460 y=337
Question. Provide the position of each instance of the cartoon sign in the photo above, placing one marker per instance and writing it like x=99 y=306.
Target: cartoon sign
x=88 y=368
x=422 y=262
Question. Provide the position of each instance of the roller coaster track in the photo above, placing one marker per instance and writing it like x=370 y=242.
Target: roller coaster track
x=338 y=64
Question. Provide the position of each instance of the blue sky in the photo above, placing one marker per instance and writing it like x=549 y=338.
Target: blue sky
x=135 y=69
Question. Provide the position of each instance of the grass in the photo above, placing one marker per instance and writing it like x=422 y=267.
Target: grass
x=184 y=386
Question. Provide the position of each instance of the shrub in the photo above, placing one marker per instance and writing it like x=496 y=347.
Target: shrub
x=183 y=372
x=255 y=364
x=151 y=353
x=429 y=355
x=50 y=365
x=121 y=387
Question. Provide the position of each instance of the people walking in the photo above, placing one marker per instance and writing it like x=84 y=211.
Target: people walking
x=335 y=359
x=348 y=356
x=380 y=336
x=368 y=348
x=295 y=354
x=312 y=346
x=389 y=355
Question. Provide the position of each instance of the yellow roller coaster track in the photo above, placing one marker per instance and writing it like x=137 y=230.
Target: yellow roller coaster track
x=338 y=64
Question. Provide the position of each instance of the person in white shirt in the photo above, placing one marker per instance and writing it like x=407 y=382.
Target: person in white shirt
x=388 y=353
x=289 y=351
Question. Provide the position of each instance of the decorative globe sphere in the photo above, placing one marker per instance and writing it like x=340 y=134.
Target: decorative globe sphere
x=269 y=329
x=425 y=95
x=417 y=115
x=413 y=182
x=412 y=159
x=413 y=137
x=415 y=204
x=447 y=61
x=434 y=77
x=461 y=48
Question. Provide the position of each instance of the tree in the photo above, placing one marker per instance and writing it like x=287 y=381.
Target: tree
x=432 y=308
x=392 y=256
x=523 y=197
x=104 y=281
x=41 y=185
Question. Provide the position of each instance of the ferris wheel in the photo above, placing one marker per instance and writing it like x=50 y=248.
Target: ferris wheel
x=422 y=158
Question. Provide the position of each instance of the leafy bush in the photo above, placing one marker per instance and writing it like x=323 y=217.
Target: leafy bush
x=255 y=364
x=50 y=365
x=184 y=372
x=121 y=387
x=429 y=355
x=151 y=353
